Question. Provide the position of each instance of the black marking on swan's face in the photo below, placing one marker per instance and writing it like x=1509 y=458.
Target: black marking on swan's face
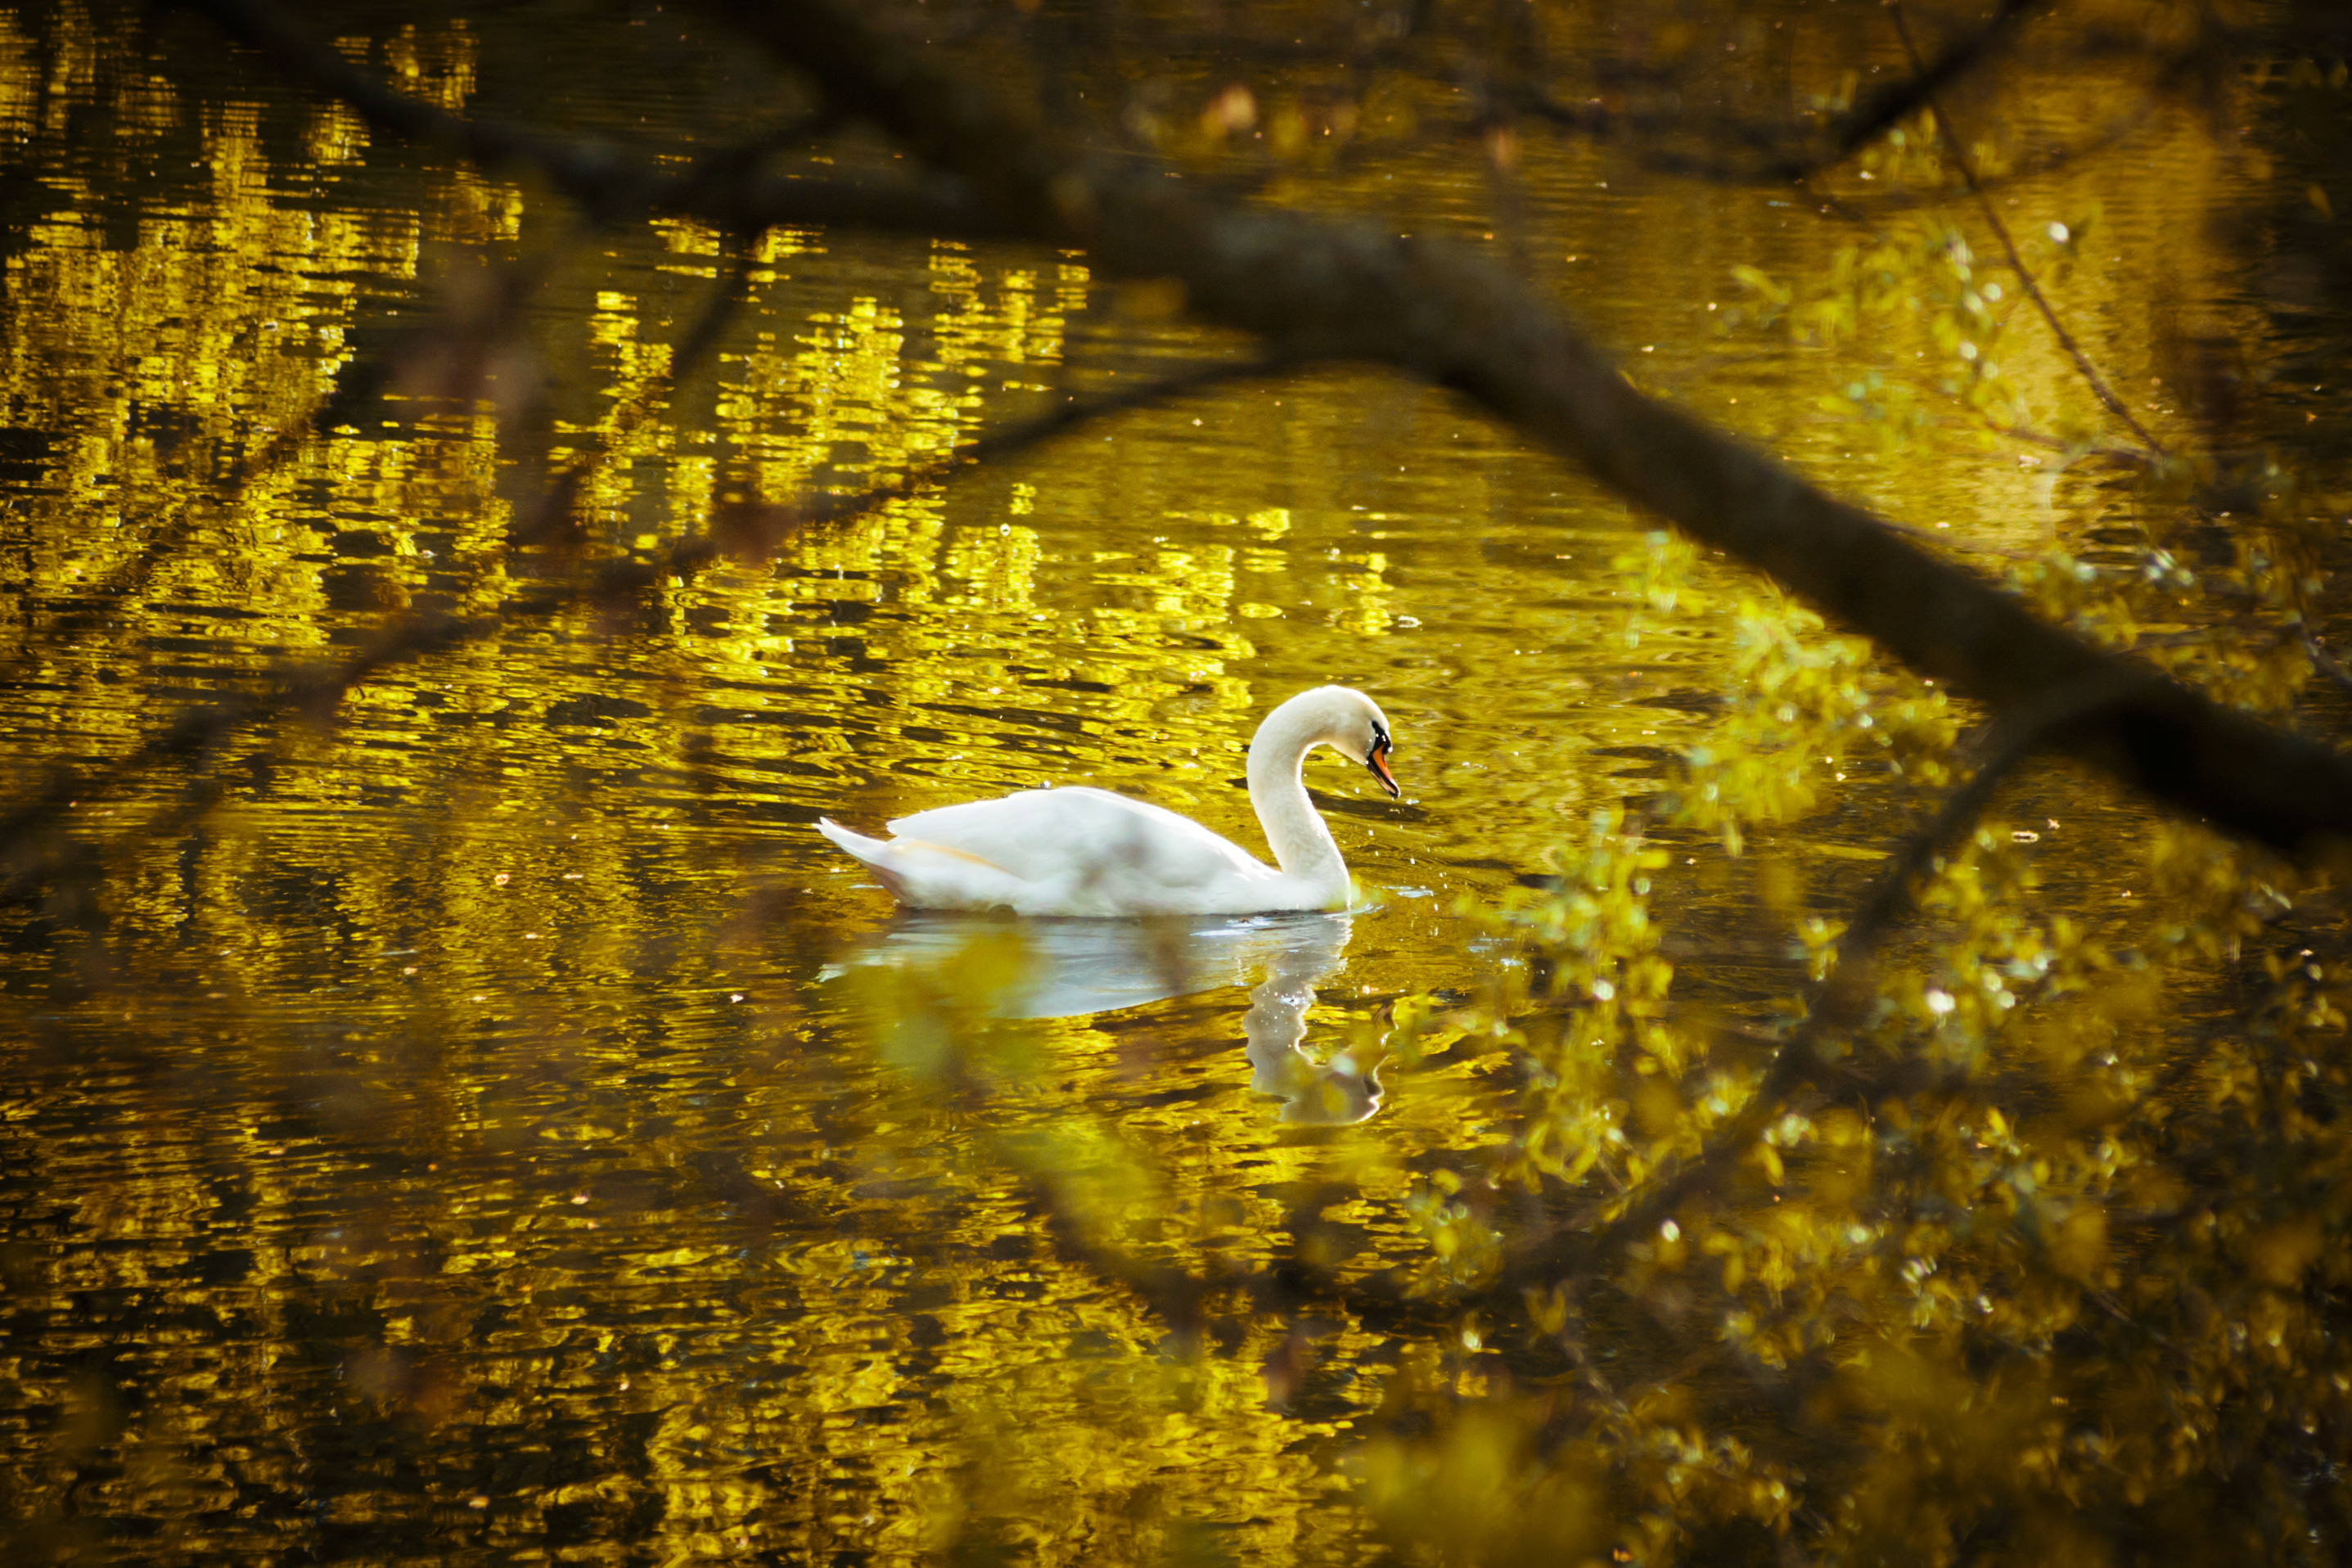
x=1374 y=759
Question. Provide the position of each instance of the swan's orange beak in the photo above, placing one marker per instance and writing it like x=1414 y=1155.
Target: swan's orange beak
x=1376 y=760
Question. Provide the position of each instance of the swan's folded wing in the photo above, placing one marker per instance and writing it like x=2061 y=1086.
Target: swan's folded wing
x=1048 y=835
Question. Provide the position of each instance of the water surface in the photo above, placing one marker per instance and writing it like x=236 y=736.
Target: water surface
x=484 y=1124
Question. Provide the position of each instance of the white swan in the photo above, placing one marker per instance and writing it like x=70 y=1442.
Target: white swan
x=1090 y=852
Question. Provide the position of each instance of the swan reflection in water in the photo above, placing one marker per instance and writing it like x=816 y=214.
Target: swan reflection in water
x=1077 y=967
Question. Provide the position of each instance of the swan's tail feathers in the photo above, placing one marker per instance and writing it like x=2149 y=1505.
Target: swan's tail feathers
x=874 y=853
x=856 y=844
x=928 y=875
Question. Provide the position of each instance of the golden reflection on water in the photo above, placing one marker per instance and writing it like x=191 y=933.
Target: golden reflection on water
x=468 y=1137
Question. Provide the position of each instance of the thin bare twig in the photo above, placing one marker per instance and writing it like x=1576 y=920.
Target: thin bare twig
x=2025 y=277
x=1900 y=100
x=1860 y=126
x=1862 y=205
x=2325 y=661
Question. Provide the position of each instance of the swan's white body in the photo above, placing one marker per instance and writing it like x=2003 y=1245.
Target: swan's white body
x=1089 y=852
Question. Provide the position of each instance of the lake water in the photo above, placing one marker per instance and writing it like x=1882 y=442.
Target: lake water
x=479 y=1124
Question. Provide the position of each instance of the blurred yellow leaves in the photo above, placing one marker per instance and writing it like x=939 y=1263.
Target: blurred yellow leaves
x=2280 y=1254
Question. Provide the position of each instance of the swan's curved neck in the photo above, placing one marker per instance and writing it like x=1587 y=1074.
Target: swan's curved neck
x=1302 y=845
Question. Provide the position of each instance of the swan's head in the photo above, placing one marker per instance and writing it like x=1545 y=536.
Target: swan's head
x=1352 y=723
